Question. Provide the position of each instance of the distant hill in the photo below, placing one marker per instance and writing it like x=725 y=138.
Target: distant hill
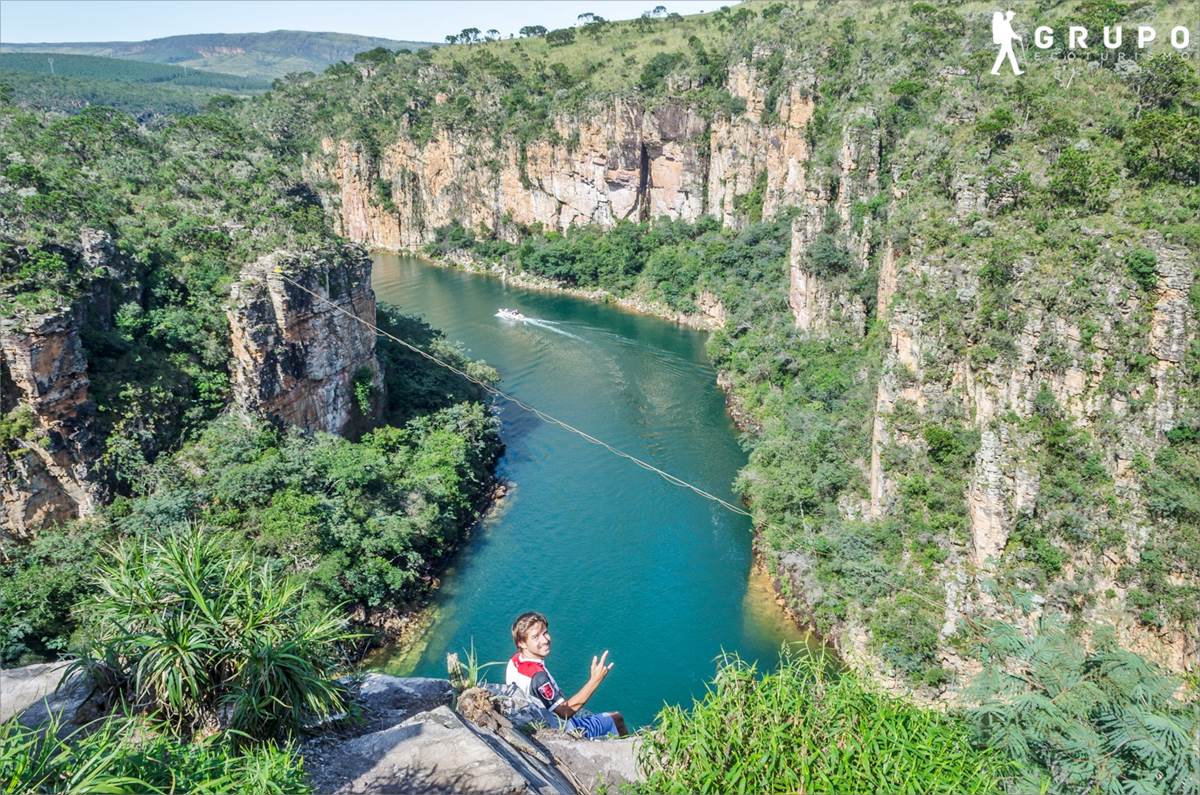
x=260 y=55
x=56 y=81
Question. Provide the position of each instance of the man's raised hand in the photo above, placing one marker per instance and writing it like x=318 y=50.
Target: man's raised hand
x=599 y=667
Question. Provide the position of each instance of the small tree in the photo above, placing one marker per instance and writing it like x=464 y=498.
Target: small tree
x=1083 y=179
x=560 y=37
x=1141 y=263
x=493 y=34
x=469 y=35
x=533 y=30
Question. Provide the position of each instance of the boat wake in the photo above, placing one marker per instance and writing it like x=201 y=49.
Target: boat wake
x=550 y=325
x=517 y=317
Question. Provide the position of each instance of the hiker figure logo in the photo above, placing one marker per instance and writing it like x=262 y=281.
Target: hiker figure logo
x=1004 y=35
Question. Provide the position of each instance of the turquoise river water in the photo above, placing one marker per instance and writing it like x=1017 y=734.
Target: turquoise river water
x=617 y=558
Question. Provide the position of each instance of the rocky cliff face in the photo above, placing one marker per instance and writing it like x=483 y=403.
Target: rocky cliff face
x=624 y=161
x=49 y=465
x=825 y=235
x=296 y=359
x=47 y=471
x=999 y=400
x=299 y=359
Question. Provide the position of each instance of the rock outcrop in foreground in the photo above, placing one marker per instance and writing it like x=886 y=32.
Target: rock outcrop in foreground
x=412 y=735
x=417 y=737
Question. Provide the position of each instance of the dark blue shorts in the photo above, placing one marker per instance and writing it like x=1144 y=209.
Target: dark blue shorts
x=593 y=726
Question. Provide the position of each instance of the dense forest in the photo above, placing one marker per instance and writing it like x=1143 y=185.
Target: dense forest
x=69 y=83
x=963 y=351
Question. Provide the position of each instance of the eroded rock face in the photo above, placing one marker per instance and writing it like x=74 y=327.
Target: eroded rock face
x=296 y=357
x=825 y=222
x=997 y=398
x=49 y=474
x=621 y=161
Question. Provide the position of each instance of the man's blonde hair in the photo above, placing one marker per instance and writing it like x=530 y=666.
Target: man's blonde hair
x=526 y=622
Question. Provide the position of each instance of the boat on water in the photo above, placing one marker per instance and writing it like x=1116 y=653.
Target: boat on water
x=510 y=314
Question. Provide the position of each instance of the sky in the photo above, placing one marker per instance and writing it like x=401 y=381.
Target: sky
x=135 y=20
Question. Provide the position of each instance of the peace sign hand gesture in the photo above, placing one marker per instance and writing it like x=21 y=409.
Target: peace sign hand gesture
x=599 y=668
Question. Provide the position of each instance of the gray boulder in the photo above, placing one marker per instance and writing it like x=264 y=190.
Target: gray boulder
x=33 y=692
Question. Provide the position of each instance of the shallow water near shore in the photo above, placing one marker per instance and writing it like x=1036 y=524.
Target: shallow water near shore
x=616 y=557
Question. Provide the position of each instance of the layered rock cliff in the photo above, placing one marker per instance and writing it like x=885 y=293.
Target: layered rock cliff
x=299 y=358
x=294 y=358
x=49 y=463
x=622 y=161
x=47 y=469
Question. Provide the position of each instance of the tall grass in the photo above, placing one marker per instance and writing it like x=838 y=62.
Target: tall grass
x=810 y=728
x=208 y=637
x=136 y=755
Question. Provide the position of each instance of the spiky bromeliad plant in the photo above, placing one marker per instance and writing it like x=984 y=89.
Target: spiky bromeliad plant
x=1098 y=720
x=203 y=634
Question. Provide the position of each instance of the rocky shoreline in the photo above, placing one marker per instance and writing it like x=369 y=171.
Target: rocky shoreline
x=463 y=260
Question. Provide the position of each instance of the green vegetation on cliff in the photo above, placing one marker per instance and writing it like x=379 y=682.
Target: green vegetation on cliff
x=177 y=213
x=986 y=403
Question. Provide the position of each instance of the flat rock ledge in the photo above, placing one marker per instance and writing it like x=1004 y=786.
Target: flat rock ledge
x=402 y=735
x=407 y=735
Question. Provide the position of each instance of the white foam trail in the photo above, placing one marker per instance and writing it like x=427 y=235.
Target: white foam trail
x=550 y=326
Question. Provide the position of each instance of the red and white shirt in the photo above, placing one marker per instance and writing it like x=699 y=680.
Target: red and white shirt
x=534 y=680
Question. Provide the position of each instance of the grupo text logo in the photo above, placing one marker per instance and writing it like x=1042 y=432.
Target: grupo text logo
x=1080 y=39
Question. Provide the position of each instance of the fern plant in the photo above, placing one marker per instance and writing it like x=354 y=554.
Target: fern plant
x=1100 y=720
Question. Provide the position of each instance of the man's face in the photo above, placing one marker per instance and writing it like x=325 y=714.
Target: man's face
x=537 y=641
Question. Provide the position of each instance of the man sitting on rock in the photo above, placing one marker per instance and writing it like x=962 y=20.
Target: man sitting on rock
x=527 y=670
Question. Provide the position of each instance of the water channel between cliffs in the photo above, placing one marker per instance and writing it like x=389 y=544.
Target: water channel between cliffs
x=616 y=557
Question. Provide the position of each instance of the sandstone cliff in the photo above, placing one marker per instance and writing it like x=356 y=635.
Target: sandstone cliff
x=49 y=469
x=623 y=161
x=295 y=359
x=299 y=359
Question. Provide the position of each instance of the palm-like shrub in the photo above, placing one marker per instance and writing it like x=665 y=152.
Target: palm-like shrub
x=808 y=727
x=1102 y=720
x=205 y=635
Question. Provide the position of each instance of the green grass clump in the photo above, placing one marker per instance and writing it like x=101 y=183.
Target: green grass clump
x=808 y=727
x=202 y=635
x=136 y=755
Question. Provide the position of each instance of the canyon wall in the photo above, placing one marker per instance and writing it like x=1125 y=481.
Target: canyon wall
x=627 y=161
x=298 y=358
x=624 y=161
x=48 y=464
